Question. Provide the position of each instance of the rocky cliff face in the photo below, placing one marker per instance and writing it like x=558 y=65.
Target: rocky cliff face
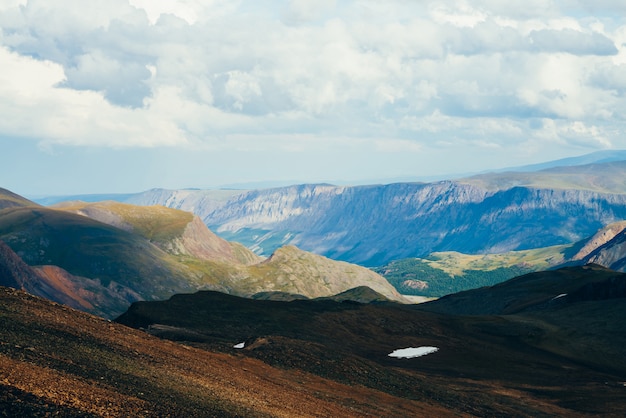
x=611 y=255
x=599 y=239
x=200 y=202
x=372 y=225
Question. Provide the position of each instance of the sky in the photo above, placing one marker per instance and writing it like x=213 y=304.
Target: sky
x=119 y=96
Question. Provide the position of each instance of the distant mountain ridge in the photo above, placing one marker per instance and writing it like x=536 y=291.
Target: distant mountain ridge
x=564 y=202
x=592 y=158
x=373 y=225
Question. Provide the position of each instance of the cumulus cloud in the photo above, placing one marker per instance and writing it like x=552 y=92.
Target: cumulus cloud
x=397 y=75
x=35 y=105
x=573 y=42
x=308 y=10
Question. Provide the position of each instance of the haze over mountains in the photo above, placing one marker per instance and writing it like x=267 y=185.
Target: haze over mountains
x=373 y=225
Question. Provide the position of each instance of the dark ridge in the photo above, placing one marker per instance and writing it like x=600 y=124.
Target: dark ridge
x=532 y=291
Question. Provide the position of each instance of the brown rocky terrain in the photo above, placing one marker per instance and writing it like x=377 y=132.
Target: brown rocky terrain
x=55 y=361
x=545 y=344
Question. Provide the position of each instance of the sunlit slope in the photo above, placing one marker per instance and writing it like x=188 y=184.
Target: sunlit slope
x=88 y=248
x=175 y=231
x=444 y=273
x=288 y=270
x=284 y=270
x=154 y=252
x=9 y=199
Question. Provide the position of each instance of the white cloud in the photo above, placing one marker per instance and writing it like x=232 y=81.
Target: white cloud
x=458 y=13
x=573 y=42
x=34 y=106
x=575 y=133
x=391 y=75
x=308 y=10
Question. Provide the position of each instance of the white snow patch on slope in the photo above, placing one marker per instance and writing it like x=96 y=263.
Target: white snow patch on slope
x=412 y=352
x=240 y=345
x=559 y=296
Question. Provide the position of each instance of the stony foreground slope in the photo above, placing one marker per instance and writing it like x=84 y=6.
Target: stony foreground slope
x=552 y=344
x=55 y=361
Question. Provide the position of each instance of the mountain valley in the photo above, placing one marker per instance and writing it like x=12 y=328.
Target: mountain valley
x=527 y=270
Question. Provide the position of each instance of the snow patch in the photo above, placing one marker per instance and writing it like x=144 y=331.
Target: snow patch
x=412 y=352
x=240 y=345
x=559 y=296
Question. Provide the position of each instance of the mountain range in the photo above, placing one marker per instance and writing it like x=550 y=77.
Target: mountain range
x=201 y=326
x=427 y=239
x=374 y=225
x=111 y=254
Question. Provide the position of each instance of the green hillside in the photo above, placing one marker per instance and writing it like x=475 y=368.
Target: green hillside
x=155 y=223
x=444 y=273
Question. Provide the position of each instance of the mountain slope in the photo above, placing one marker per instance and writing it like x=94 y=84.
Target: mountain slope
x=85 y=247
x=612 y=254
x=530 y=292
x=287 y=270
x=54 y=283
x=55 y=361
x=592 y=158
x=372 y=225
x=324 y=276
x=602 y=177
x=133 y=253
x=376 y=224
x=175 y=231
x=9 y=199
x=580 y=310
x=563 y=203
x=564 y=360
